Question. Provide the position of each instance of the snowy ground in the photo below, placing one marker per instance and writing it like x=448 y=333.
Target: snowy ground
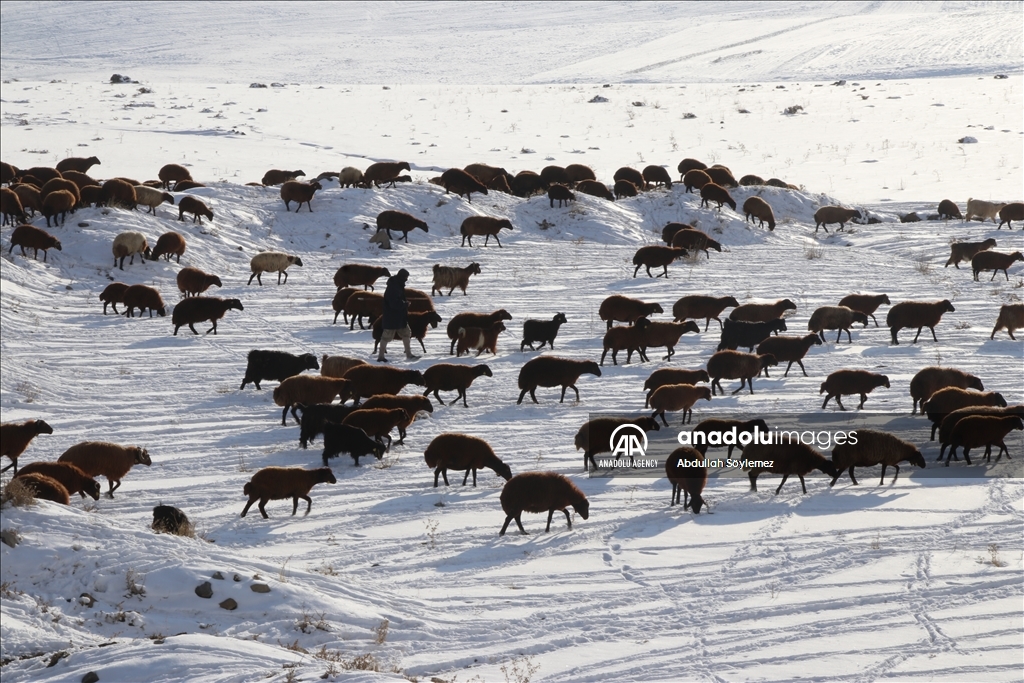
x=853 y=583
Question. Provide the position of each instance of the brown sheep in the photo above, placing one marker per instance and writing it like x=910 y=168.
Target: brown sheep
x=595 y=435
x=461 y=183
x=117 y=192
x=851 y=382
x=834 y=214
x=193 y=282
x=277 y=177
x=272 y=262
x=462 y=452
x=183 y=185
x=201 y=308
x=418 y=321
x=695 y=240
x=91 y=195
x=360 y=304
x=657 y=175
x=660 y=378
x=579 y=173
x=874 y=448
x=35 y=238
x=399 y=221
x=919 y=314
x=143 y=297
x=70 y=476
x=865 y=303
x=695 y=179
x=80 y=164
x=194 y=206
x=384 y=172
x=727 y=432
x=629 y=339
x=976 y=208
x=45 y=488
x=951 y=420
x=169 y=244
x=762 y=313
x=561 y=194
x=750 y=180
x=786 y=459
x=40 y=173
x=555 y=174
x=484 y=173
x=419 y=301
x=1011 y=316
x=479 y=338
x=948 y=209
x=369 y=380
x=482 y=320
x=835 y=318
x=302 y=193
x=377 y=422
x=412 y=404
x=7 y=173
x=452 y=277
x=718 y=194
x=945 y=401
x=687 y=165
x=337 y=366
x=113 y=294
x=307 y=390
x=657 y=256
x=16 y=436
x=527 y=183
x=499 y=184
x=281 y=483
x=931 y=379
x=57 y=203
x=789 y=349
x=80 y=179
x=356 y=274
x=687 y=481
x=595 y=189
x=173 y=173
x=60 y=184
x=658 y=334
x=1010 y=213
x=111 y=460
x=624 y=188
x=541 y=492
x=965 y=251
x=485 y=226
x=994 y=261
x=632 y=175
x=676 y=397
x=623 y=309
x=737 y=365
x=697 y=306
x=756 y=207
x=721 y=176
x=974 y=431
x=549 y=371
x=30 y=197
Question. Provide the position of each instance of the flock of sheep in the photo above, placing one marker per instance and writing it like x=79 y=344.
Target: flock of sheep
x=964 y=415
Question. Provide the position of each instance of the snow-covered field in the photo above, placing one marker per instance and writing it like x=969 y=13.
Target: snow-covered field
x=922 y=580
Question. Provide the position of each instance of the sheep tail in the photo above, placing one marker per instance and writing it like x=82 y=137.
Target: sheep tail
x=247 y=489
x=462 y=332
x=822 y=390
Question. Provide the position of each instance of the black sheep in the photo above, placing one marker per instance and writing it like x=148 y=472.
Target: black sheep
x=339 y=438
x=737 y=333
x=170 y=520
x=275 y=365
x=316 y=415
x=543 y=331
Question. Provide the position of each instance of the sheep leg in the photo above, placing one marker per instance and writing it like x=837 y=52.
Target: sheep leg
x=309 y=504
x=534 y=395
x=573 y=387
x=675 y=495
x=421 y=344
x=496 y=240
x=685 y=412
x=212 y=329
x=863 y=397
x=656 y=413
x=438 y=397
x=114 y=485
x=263 y=507
x=637 y=270
x=191 y=326
x=294 y=415
x=518 y=523
x=919 y=334
x=834 y=479
x=743 y=383
x=765 y=369
x=839 y=401
x=551 y=514
x=462 y=393
x=716 y=383
x=671 y=352
x=967 y=458
x=284 y=414
x=522 y=394
x=248 y=505
x=802 y=369
x=279 y=274
x=941 y=451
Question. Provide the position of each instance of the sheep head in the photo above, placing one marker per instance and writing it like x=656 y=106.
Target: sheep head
x=504 y=471
x=859 y=317
x=582 y=508
x=142 y=457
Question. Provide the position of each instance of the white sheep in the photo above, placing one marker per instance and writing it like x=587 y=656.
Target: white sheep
x=152 y=198
x=129 y=244
x=350 y=177
x=271 y=262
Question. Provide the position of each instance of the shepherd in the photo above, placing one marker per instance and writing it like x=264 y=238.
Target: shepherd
x=396 y=316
